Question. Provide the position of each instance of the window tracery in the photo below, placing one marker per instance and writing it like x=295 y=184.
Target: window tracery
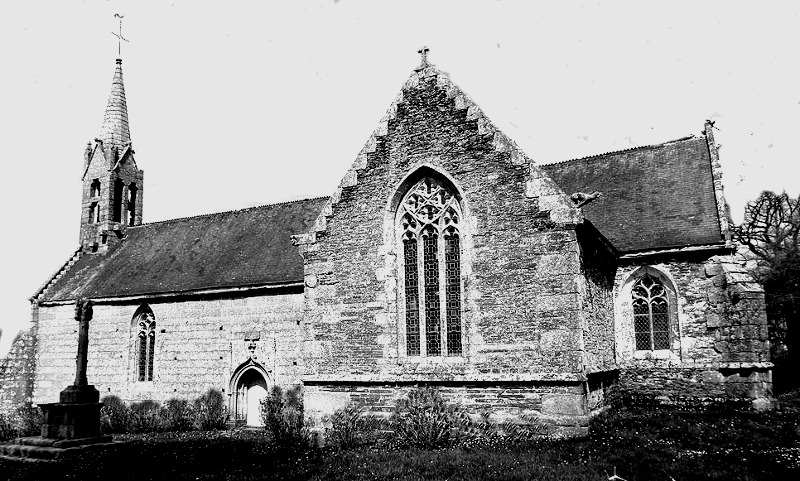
x=430 y=215
x=651 y=314
x=146 y=340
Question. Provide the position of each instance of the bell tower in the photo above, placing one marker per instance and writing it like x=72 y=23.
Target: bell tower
x=113 y=185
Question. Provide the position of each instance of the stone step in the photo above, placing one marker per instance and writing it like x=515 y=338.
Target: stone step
x=35 y=448
x=61 y=443
x=35 y=452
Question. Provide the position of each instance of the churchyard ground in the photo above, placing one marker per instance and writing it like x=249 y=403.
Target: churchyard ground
x=644 y=443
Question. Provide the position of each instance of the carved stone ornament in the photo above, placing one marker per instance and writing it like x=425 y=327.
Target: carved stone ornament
x=311 y=281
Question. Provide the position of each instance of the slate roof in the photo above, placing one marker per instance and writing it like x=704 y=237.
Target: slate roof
x=653 y=197
x=248 y=247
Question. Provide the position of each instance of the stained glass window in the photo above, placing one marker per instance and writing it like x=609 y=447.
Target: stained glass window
x=650 y=314
x=412 y=297
x=429 y=218
x=146 y=340
x=452 y=259
x=433 y=315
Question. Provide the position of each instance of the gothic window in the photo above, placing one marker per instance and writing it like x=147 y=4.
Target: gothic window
x=119 y=187
x=95 y=188
x=145 y=324
x=651 y=314
x=132 y=190
x=94 y=213
x=429 y=224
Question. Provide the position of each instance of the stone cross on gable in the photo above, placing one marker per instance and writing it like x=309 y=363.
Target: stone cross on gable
x=423 y=52
x=119 y=36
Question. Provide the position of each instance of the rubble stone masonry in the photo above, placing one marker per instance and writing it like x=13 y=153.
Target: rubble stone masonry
x=523 y=284
x=721 y=350
x=199 y=345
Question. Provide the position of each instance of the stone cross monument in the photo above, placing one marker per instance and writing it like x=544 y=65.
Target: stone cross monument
x=83 y=314
x=77 y=415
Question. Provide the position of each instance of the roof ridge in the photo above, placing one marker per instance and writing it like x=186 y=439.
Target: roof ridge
x=244 y=209
x=639 y=147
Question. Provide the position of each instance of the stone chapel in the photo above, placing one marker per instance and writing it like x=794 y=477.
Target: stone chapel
x=446 y=257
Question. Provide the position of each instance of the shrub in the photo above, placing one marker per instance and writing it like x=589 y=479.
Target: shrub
x=209 y=410
x=283 y=417
x=25 y=420
x=7 y=428
x=178 y=415
x=424 y=420
x=146 y=417
x=351 y=426
x=28 y=420
x=115 y=416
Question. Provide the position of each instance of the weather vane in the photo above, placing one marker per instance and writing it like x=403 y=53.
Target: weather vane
x=119 y=36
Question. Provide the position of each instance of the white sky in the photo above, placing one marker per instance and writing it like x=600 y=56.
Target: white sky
x=244 y=103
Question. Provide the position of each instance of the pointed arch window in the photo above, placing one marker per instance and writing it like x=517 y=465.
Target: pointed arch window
x=95 y=188
x=145 y=324
x=429 y=219
x=651 y=314
x=119 y=187
x=132 y=191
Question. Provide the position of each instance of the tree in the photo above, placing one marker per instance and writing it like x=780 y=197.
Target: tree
x=771 y=233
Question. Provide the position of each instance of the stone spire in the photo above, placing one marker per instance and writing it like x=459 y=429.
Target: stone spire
x=114 y=132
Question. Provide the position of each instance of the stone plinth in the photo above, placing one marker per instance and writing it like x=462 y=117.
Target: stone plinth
x=76 y=416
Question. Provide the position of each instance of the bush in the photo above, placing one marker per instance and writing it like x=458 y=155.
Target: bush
x=487 y=433
x=7 y=428
x=146 y=417
x=424 y=420
x=283 y=417
x=29 y=419
x=351 y=427
x=25 y=420
x=209 y=410
x=178 y=415
x=115 y=416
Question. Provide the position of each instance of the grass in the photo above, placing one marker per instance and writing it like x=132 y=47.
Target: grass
x=642 y=444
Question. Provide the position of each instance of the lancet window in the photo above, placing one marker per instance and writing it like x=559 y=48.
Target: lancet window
x=430 y=232
x=651 y=314
x=145 y=344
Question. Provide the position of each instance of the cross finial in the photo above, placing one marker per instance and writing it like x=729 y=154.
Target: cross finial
x=119 y=36
x=423 y=52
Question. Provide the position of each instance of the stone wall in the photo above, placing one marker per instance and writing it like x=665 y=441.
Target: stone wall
x=520 y=261
x=562 y=405
x=598 y=268
x=17 y=373
x=721 y=350
x=199 y=345
x=523 y=291
x=101 y=161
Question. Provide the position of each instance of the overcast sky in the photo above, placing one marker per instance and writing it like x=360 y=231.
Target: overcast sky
x=238 y=104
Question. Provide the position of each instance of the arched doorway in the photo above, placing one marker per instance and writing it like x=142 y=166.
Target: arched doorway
x=249 y=387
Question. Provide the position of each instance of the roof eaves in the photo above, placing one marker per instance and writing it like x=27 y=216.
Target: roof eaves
x=185 y=293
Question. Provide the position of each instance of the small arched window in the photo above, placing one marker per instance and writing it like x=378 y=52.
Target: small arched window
x=651 y=314
x=145 y=324
x=94 y=213
x=95 y=188
x=119 y=188
x=429 y=219
x=132 y=191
